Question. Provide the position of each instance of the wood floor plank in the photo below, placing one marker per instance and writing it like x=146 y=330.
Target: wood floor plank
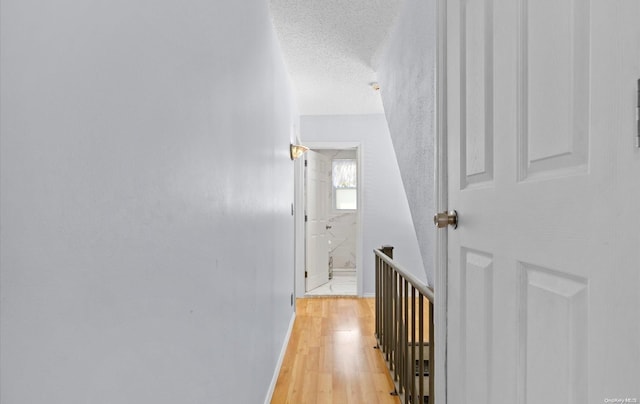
x=330 y=356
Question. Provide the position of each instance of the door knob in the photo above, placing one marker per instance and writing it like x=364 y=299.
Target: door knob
x=445 y=219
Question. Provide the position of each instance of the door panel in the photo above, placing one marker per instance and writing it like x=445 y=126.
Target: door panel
x=544 y=268
x=554 y=84
x=477 y=306
x=476 y=93
x=317 y=200
x=553 y=335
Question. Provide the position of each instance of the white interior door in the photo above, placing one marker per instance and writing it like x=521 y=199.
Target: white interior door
x=544 y=268
x=317 y=184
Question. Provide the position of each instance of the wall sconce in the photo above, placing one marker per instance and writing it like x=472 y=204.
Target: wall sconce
x=297 y=150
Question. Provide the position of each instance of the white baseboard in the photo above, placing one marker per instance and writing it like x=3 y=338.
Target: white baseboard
x=370 y=294
x=283 y=351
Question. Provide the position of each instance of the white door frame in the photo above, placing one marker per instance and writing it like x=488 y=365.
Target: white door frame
x=441 y=198
x=299 y=214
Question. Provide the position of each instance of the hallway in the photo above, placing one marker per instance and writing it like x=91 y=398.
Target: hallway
x=330 y=357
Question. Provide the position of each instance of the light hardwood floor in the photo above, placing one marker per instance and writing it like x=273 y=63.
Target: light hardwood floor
x=330 y=357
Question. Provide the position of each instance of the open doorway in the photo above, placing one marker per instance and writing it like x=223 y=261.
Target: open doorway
x=331 y=200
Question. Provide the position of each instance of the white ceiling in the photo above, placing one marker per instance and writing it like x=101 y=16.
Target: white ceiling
x=330 y=47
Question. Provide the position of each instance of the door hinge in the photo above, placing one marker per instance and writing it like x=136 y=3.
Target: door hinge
x=638 y=117
x=305 y=274
x=306 y=218
x=305 y=163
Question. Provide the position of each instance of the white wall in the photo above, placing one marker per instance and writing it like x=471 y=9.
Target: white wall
x=406 y=73
x=385 y=211
x=146 y=254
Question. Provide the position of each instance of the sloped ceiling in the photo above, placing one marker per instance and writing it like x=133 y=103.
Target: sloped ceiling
x=330 y=48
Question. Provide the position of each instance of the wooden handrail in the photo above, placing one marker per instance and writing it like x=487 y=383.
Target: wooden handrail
x=425 y=289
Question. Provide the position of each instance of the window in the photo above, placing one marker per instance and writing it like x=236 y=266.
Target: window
x=344 y=175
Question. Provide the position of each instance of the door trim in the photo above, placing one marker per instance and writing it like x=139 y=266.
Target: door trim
x=441 y=198
x=299 y=215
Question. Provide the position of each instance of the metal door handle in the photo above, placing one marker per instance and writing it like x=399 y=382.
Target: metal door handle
x=445 y=219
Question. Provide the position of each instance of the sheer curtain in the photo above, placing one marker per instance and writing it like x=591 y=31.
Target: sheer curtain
x=344 y=174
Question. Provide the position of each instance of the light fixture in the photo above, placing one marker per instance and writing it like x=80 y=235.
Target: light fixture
x=297 y=150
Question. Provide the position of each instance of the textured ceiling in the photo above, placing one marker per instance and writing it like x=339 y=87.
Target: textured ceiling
x=330 y=47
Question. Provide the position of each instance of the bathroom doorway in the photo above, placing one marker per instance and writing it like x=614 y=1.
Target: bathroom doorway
x=331 y=194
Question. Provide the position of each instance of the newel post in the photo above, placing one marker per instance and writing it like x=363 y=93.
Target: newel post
x=387 y=250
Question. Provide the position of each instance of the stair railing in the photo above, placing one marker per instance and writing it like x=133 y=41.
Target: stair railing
x=401 y=325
